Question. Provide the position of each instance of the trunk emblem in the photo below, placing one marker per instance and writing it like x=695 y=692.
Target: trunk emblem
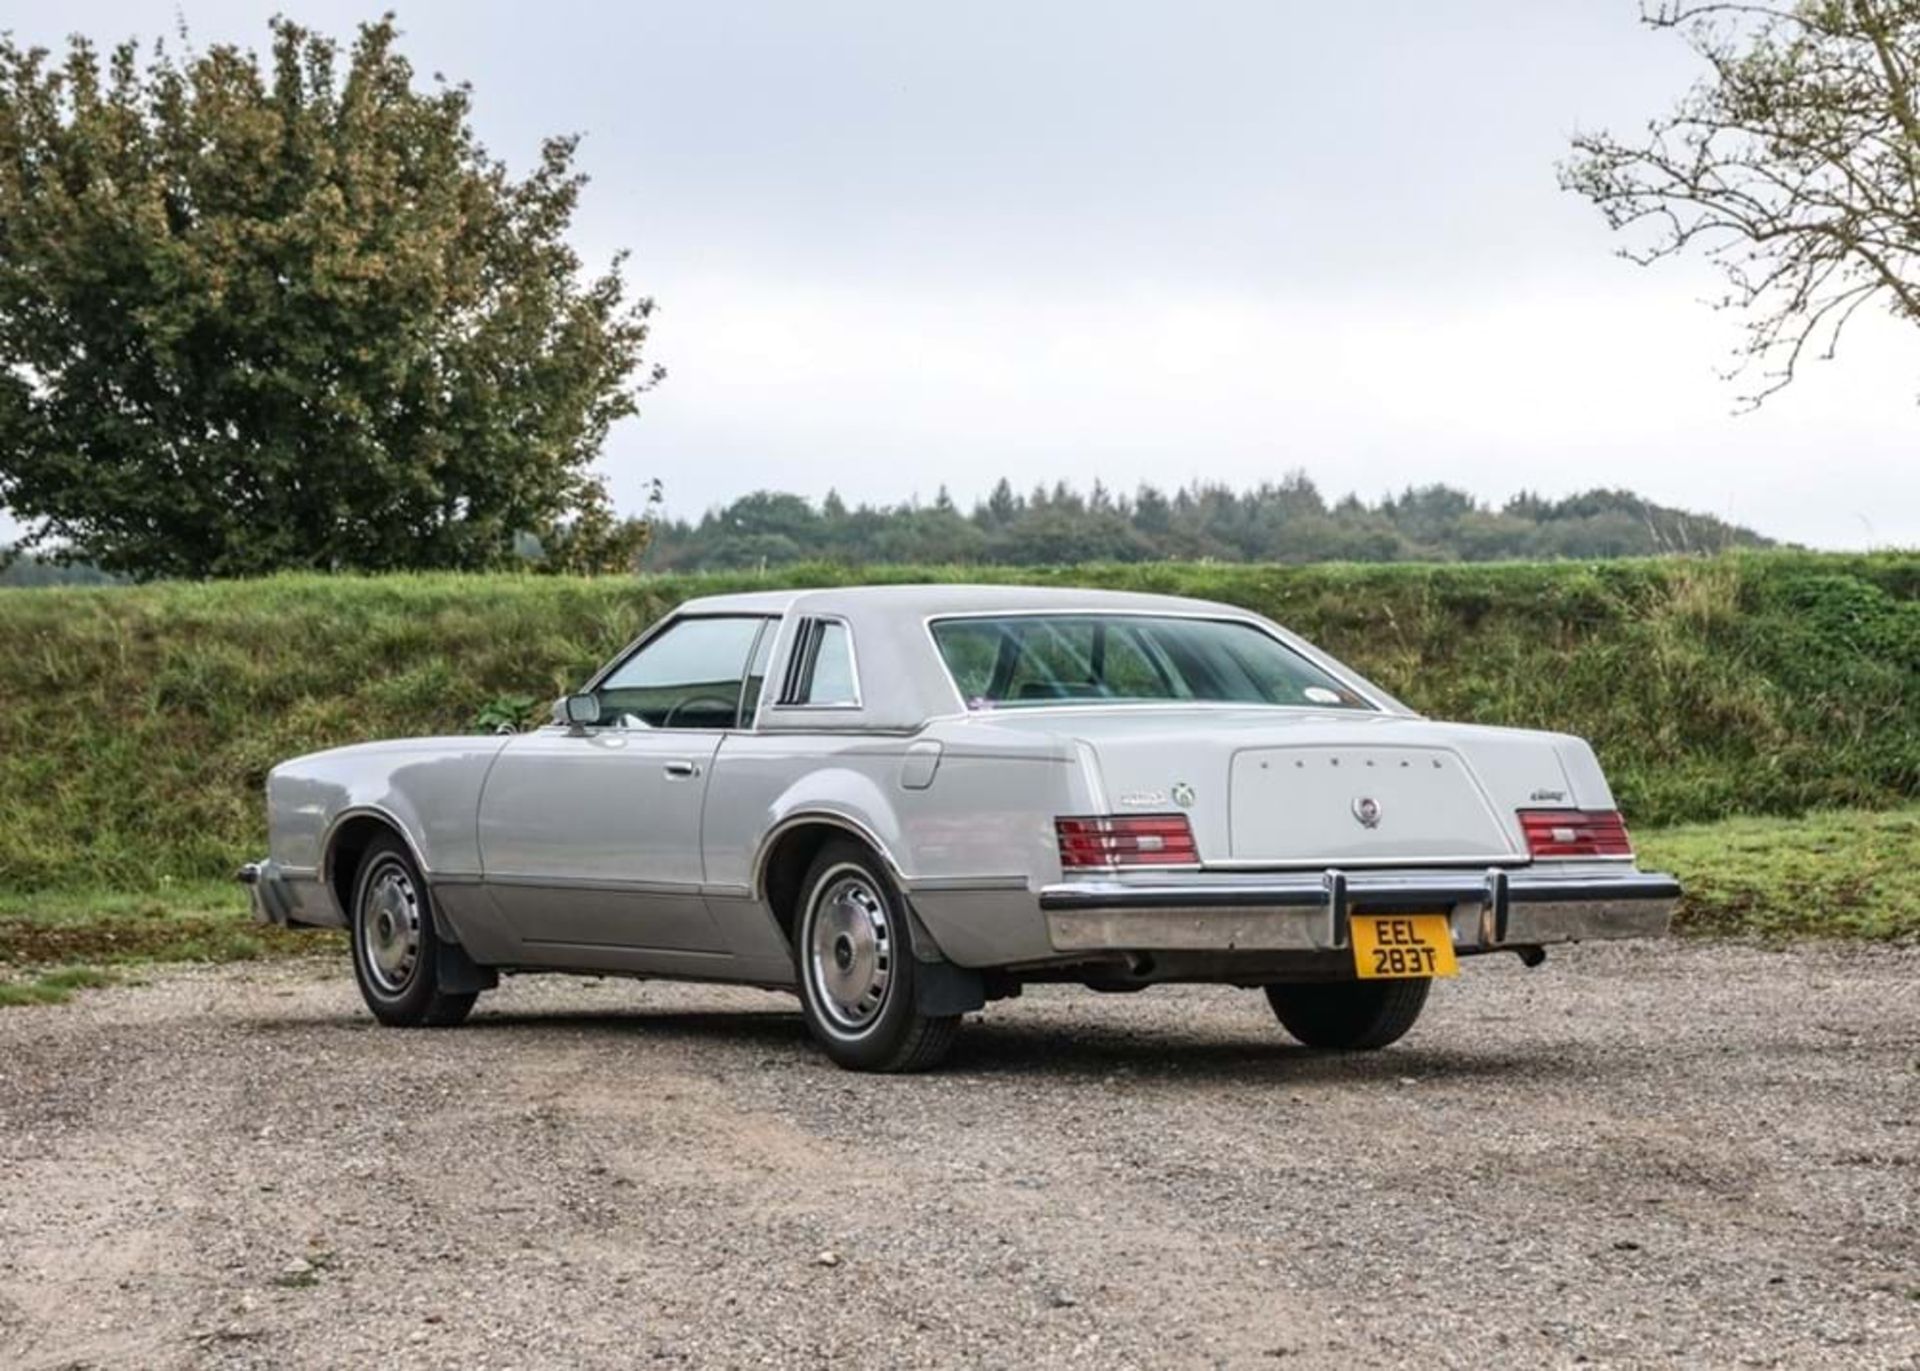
x=1367 y=810
x=1183 y=795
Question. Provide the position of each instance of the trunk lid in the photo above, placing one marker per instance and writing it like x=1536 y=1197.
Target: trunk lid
x=1290 y=787
x=1347 y=801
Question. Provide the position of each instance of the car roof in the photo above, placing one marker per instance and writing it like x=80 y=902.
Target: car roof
x=903 y=681
x=920 y=601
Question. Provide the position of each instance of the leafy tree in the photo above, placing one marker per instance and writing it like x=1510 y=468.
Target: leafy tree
x=1002 y=506
x=289 y=313
x=939 y=534
x=771 y=513
x=1795 y=166
x=1151 y=513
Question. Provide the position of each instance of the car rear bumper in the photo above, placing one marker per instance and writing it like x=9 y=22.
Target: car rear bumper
x=1310 y=910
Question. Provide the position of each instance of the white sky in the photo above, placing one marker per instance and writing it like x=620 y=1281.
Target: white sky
x=897 y=245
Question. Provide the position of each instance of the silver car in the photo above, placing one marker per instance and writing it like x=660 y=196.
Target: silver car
x=902 y=802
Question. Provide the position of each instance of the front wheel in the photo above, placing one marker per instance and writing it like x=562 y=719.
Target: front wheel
x=1350 y=1016
x=396 y=952
x=854 y=959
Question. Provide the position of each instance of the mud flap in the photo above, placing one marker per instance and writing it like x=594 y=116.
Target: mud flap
x=458 y=974
x=941 y=990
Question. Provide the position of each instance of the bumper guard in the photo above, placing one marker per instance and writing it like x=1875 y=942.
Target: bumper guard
x=267 y=890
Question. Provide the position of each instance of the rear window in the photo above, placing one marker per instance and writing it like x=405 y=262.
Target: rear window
x=1051 y=659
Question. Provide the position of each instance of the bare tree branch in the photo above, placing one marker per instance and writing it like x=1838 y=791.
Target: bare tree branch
x=1793 y=165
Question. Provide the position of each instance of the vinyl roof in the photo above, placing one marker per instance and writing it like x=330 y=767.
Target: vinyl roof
x=921 y=600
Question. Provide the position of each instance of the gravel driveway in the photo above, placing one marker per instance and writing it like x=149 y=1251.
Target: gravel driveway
x=1634 y=1155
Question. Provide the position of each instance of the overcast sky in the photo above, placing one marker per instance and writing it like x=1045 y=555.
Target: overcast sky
x=898 y=244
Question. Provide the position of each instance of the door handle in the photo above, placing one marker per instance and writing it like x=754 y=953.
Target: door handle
x=683 y=771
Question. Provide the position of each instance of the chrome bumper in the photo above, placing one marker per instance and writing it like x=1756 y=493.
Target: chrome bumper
x=273 y=902
x=1309 y=911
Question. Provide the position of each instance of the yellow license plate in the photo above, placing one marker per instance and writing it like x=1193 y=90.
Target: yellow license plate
x=1403 y=945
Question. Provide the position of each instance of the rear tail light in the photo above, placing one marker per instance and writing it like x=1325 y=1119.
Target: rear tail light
x=1575 y=833
x=1126 y=840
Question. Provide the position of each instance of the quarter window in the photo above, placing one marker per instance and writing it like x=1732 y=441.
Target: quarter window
x=820 y=669
x=693 y=674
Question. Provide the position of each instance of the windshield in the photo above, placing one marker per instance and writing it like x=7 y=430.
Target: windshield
x=1049 y=659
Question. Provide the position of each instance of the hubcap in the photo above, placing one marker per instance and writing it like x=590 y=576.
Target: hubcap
x=390 y=930
x=850 y=954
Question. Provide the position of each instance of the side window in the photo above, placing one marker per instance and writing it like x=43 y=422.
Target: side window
x=820 y=669
x=831 y=681
x=691 y=676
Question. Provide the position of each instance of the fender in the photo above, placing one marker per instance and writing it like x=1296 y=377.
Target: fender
x=369 y=811
x=940 y=987
x=844 y=799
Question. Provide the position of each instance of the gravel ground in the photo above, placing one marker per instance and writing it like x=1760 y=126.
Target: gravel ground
x=1636 y=1155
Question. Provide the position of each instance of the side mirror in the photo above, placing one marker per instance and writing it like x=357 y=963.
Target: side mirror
x=578 y=711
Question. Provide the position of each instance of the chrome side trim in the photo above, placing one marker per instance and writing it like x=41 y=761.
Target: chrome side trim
x=852 y=826
x=616 y=883
x=631 y=948
x=965 y=883
x=1316 y=864
x=372 y=811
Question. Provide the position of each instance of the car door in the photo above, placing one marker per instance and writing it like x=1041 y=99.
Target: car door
x=590 y=836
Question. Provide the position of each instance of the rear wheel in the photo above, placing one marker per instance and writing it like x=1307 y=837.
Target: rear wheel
x=854 y=959
x=1352 y=1016
x=396 y=952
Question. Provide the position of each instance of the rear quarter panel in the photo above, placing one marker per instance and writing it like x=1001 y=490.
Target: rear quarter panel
x=969 y=847
x=987 y=814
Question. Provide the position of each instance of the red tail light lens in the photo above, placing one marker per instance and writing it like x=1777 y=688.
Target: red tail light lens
x=1126 y=840
x=1576 y=833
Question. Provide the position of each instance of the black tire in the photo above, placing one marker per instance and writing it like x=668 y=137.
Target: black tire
x=396 y=952
x=1349 y=1016
x=853 y=956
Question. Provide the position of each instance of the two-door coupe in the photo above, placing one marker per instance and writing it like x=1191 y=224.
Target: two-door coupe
x=904 y=801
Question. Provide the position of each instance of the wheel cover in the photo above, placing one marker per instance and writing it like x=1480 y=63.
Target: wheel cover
x=850 y=953
x=390 y=930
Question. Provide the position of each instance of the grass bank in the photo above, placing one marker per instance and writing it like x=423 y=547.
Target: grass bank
x=137 y=725
x=1846 y=873
x=53 y=943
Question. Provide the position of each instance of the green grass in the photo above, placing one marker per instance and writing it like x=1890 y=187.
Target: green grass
x=52 y=987
x=190 y=923
x=1843 y=873
x=56 y=942
x=137 y=725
